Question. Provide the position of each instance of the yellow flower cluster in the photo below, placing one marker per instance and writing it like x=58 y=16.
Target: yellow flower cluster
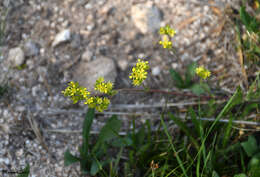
x=166 y=43
x=75 y=92
x=78 y=93
x=202 y=72
x=167 y=30
x=97 y=102
x=139 y=72
x=103 y=87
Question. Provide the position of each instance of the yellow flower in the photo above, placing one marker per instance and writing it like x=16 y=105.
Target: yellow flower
x=167 y=30
x=202 y=72
x=100 y=104
x=78 y=93
x=75 y=92
x=139 y=72
x=166 y=43
x=103 y=87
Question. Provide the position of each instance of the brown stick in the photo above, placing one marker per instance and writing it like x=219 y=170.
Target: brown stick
x=165 y=92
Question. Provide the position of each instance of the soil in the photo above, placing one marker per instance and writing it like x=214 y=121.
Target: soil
x=38 y=124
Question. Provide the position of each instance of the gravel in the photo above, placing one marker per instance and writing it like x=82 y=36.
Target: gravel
x=81 y=40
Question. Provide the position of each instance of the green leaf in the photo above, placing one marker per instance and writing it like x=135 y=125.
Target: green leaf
x=248 y=108
x=240 y=175
x=197 y=89
x=25 y=172
x=177 y=79
x=69 y=158
x=250 y=146
x=94 y=169
x=86 y=131
x=190 y=73
x=140 y=136
x=122 y=142
x=110 y=130
x=254 y=165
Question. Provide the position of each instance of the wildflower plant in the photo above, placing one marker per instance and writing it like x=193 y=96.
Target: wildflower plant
x=139 y=72
x=97 y=102
x=104 y=87
x=78 y=93
x=167 y=32
x=166 y=43
x=202 y=72
x=206 y=156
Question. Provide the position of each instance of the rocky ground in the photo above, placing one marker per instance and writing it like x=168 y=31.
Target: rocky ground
x=48 y=43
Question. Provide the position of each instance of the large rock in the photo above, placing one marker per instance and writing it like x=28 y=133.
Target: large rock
x=88 y=72
x=146 y=17
x=15 y=57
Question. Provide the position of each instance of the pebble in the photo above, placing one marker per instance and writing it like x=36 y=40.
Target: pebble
x=87 y=55
x=146 y=17
x=16 y=57
x=31 y=48
x=19 y=152
x=61 y=37
x=122 y=63
x=156 y=71
x=76 y=41
x=4 y=128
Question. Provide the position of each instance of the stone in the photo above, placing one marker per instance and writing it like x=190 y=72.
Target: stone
x=88 y=72
x=4 y=128
x=146 y=17
x=87 y=55
x=123 y=64
x=61 y=37
x=16 y=57
x=156 y=71
x=31 y=49
x=76 y=41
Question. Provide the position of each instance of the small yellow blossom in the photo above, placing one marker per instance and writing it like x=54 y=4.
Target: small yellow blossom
x=100 y=104
x=167 y=30
x=75 y=92
x=166 y=43
x=202 y=72
x=103 y=87
x=139 y=72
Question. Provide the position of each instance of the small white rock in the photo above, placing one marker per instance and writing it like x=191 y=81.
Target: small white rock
x=174 y=65
x=156 y=71
x=16 y=56
x=19 y=152
x=62 y=36
x=6 y=161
